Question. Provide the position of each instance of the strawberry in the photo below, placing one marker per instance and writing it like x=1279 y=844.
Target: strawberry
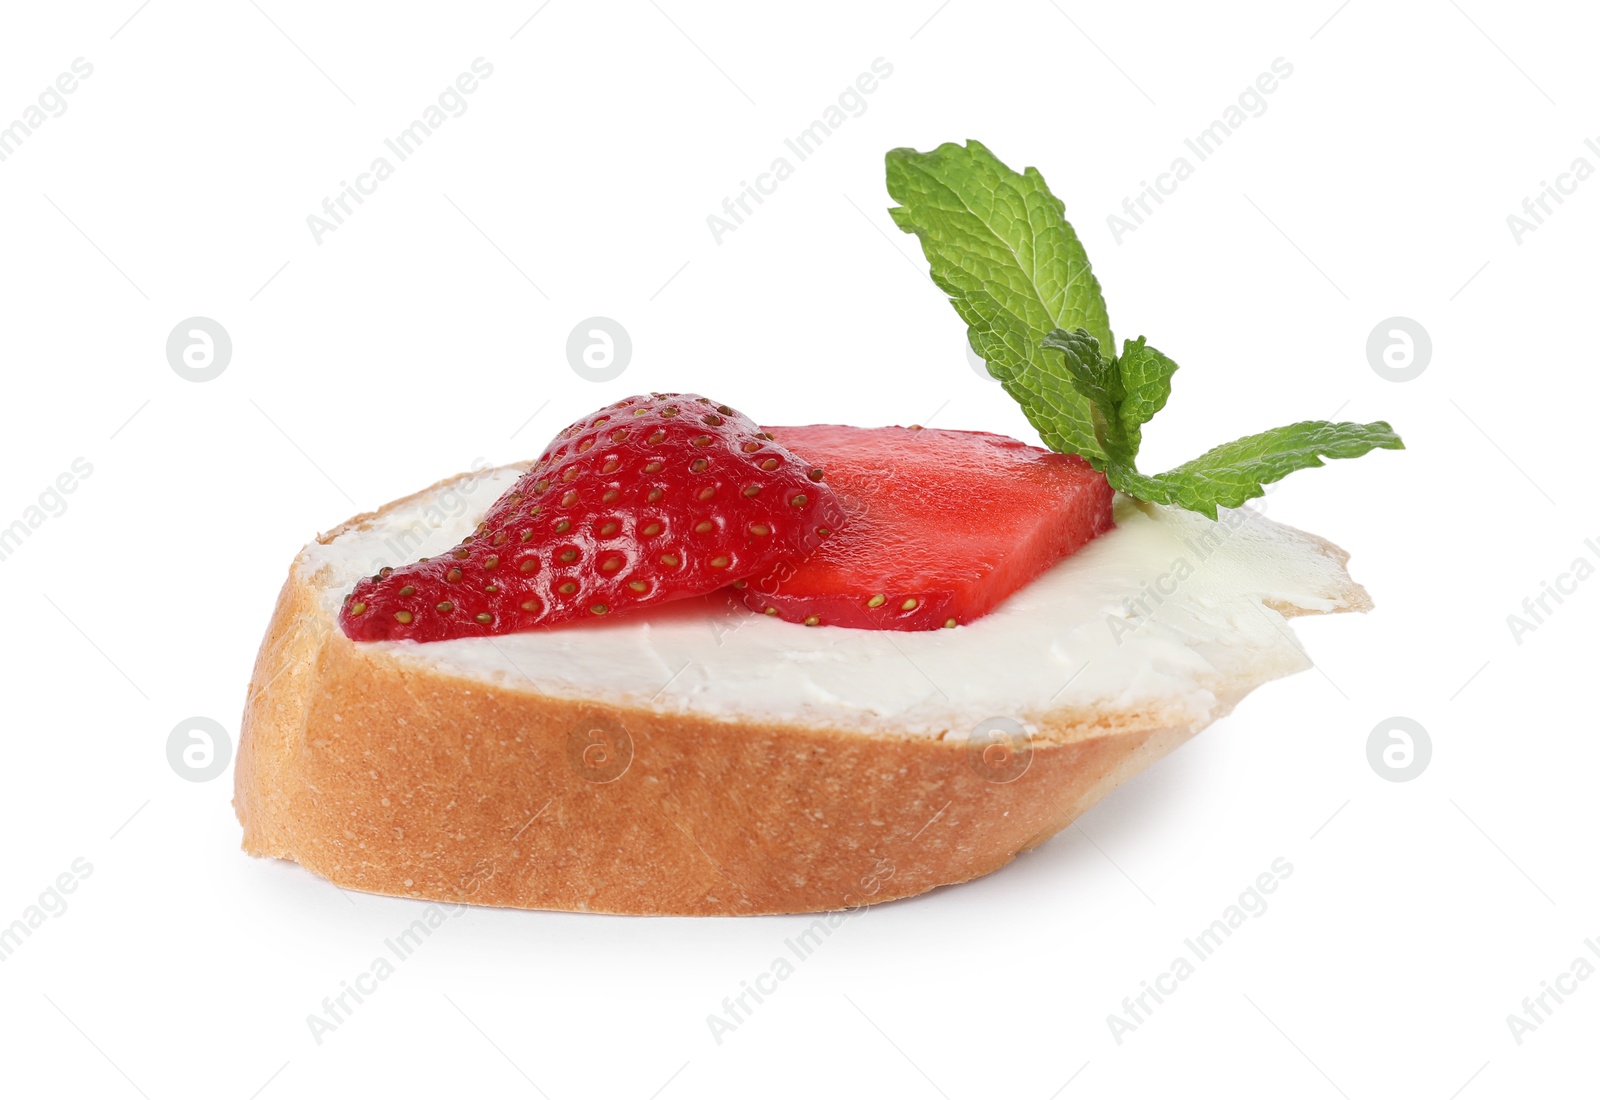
x=943 y=525
x=648 y=500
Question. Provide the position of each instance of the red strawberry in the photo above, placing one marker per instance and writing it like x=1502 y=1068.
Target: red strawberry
x=650 y=499
x=943 y=525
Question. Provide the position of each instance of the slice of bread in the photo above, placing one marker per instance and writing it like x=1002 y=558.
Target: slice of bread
x=701 y=759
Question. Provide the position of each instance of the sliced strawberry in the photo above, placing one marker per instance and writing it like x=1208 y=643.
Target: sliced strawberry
x=942 y=526
x=650 y=499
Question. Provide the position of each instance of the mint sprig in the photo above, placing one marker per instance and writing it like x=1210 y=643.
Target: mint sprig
x=999 y=245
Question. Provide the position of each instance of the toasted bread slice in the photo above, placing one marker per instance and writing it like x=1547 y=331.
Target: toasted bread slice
x=702 y=759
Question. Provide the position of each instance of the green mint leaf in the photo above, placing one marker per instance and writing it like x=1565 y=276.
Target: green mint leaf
x=1123 y=393
x=1146 y=377
x=1235 y=472
x=1097 y=379
x=999 y=245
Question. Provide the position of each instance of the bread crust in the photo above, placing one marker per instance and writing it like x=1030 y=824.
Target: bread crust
x=398 y=779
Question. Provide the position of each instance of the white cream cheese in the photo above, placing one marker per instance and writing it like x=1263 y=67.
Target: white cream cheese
x=1168 y=610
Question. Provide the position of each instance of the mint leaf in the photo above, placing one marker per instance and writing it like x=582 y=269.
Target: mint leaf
x=1147 y=381
x=999 y=245
x=1100 y=382
x=1235 y=472
x=1123 y=393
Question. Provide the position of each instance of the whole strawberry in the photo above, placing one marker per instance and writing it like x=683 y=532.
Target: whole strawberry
x=648 y=500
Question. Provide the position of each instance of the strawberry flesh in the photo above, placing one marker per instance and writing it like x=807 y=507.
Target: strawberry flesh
x=651 y=499
x=940 y=526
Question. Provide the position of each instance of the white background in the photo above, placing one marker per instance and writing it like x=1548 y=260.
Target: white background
x=425 y=332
